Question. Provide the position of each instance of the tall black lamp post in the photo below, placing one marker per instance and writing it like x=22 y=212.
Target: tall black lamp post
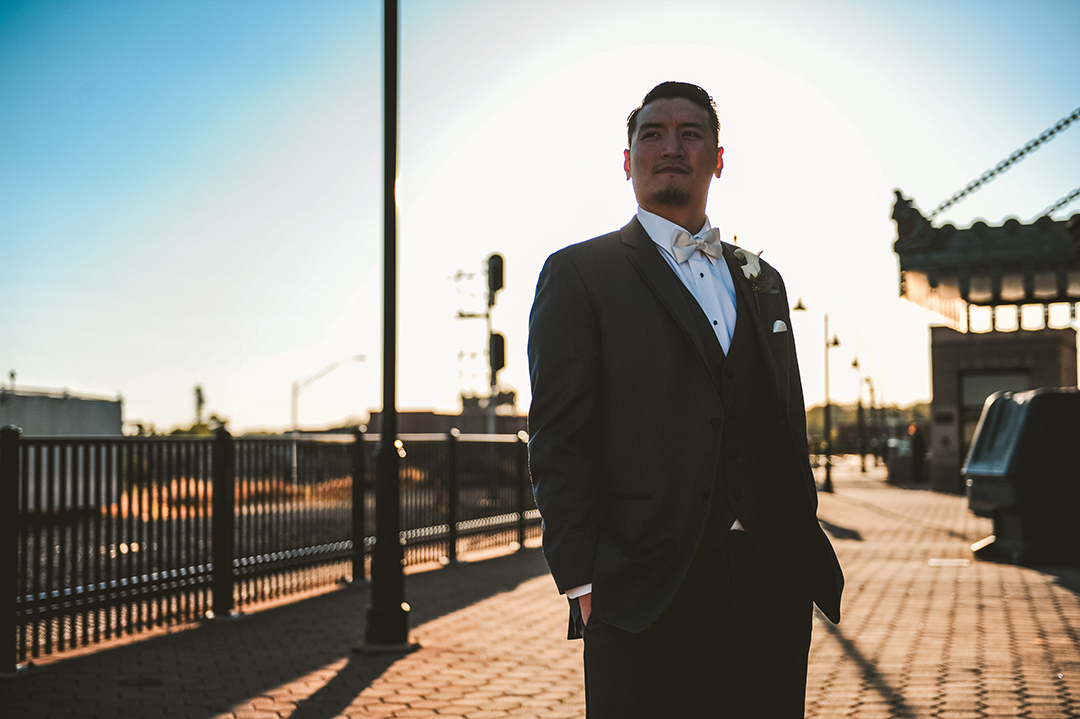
x=860 y=418
x=826 y=444
x=875 y=438
x=388 y=615
x=829 y=344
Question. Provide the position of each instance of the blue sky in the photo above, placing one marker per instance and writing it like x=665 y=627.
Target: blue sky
x=190 y=191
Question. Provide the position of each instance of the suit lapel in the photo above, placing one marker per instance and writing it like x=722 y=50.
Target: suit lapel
x=748 y=309
x=656 y=272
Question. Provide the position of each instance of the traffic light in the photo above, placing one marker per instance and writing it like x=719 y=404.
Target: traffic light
x=494 y=276
x=496 y=353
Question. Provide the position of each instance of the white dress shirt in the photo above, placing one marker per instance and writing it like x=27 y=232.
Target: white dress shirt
x=708 y=280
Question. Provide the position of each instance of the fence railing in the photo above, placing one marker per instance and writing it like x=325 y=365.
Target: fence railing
x=108 y=536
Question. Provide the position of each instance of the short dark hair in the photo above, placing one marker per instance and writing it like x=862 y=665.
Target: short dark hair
x=666 y=90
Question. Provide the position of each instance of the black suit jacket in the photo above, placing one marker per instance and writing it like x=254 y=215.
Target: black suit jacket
x=625 y=437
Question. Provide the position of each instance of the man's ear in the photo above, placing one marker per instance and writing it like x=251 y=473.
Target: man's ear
x=719 y=162
x=626 y=163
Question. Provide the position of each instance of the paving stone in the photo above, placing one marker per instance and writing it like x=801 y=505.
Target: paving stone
x=917 y=640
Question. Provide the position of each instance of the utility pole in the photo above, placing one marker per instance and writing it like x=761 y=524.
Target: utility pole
x=496 y=342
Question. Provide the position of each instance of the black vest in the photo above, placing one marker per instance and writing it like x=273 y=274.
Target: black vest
x=742 y=384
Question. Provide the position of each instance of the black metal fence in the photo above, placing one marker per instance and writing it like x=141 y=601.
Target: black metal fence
x=104 y=537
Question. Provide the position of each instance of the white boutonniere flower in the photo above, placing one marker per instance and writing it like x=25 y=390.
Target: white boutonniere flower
x=751 y=267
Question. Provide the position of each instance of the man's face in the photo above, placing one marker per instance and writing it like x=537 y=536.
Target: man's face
x=673 y=156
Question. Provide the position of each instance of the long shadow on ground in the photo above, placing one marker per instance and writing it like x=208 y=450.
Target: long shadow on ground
x=872 y=678
x=208 y=670
x=1068 y=577
x=432 y=599
x=838 y=532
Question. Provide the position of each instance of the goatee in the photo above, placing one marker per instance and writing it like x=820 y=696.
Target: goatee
x=671 y=196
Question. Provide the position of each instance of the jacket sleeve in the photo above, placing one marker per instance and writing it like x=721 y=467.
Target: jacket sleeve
x=564 y=368
x=797 y=404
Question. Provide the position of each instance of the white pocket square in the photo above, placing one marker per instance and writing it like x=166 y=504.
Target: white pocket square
x=779 y=326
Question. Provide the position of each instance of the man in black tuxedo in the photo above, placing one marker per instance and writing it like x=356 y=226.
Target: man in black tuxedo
x=668 y=448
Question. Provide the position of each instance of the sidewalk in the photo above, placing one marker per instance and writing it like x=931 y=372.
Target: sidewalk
x=927 y=632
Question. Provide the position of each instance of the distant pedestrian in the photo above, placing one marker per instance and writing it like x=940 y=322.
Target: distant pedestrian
x=918 y=453
x=668 y=447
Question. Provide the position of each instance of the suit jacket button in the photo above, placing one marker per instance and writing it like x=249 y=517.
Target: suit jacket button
x=728 y=373
x=715 y=422
x=737 y=495
x=735 y=455
x=704 y=495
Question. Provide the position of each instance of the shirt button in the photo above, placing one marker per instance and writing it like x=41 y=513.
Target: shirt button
x=701 y=274
x=715 y=422
x=714 y=322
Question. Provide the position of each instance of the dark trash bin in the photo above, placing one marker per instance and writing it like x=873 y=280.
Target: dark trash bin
x=1023 y=471
x=898 y=460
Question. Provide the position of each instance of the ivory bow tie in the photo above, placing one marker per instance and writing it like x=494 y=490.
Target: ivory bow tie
x=685 y=246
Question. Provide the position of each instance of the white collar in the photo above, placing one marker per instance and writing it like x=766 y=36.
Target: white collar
x=662 y=230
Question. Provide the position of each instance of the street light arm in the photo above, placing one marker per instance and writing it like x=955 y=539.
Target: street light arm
x=297 y=385
x=327 y=370
x=321 y=373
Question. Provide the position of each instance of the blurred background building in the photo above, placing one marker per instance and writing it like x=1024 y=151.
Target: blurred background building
x=60 y=413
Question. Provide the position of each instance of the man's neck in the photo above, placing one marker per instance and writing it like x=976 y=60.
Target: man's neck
x=690 y=219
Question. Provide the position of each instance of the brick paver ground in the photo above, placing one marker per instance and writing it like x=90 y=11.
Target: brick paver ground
x=927 y=632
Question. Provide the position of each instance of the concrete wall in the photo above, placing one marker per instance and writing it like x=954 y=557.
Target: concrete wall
x=968 y=367
x=60 y=414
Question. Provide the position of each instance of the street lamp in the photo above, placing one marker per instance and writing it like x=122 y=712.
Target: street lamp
x=829 y=344
x=860 y=418
x=826 y=444
x=299 y=384
x=875 y=438
x=388 y=613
